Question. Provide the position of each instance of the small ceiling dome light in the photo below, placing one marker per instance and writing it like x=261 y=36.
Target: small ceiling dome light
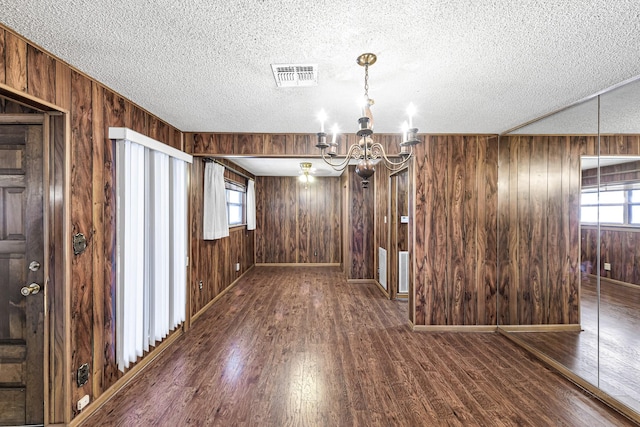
x=366 y=151
x=305 y=178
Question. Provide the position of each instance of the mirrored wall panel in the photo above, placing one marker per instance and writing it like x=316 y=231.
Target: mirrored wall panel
x=569 y=240
x=617 y=228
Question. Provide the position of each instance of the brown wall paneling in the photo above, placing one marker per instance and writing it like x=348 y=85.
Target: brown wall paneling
x=539 y=203
x=571 y=267
x=213 y=261
x=440 y=156
x=113 y=115
x=619 y=144
x=470 y=245
x=16 y=62
x=2 y=57
x=614 y=174
x=297 y=225
x=619 y=247
x=423 y=275
x=56 y=297
x=455 y=251
x=344 y=220
x=93 y=109
x=276 y=145
x=99 y=262
x=360 y=227
x=81 y=222
x=456 y=182
x=588 y=144
x=541 y=190
x=301 y=145
x=41 y=74
x=487 y=174
x=251 y=143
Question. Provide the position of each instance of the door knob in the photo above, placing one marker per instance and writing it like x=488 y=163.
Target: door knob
x=33 y=288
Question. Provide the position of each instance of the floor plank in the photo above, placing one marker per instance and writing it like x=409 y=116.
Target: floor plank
x=302 y=347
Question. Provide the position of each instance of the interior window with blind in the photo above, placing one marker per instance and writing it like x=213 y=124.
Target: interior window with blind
x=614 y=207
x=236 y=202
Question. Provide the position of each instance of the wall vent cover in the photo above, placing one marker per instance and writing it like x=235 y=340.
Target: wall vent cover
x=295 y=75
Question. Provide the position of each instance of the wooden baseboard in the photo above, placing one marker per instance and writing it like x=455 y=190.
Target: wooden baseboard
x=614 y=282
x=125 y=379
x=299 y=264
x=454 y=328
x=382 y=289
x=571 y=376
x=217 y=297
x=361 y=281
x=574 y=327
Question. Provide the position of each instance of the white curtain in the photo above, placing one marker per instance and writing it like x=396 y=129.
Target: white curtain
x=215 y=221
x=151 y=248
x=251 y=205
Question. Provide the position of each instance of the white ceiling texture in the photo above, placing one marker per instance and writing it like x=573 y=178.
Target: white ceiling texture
x=469 y=66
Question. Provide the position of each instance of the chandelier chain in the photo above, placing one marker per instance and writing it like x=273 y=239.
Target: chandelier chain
x=366 y=81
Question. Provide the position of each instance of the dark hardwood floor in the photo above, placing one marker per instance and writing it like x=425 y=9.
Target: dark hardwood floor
x=301 y=347
x=609 y=359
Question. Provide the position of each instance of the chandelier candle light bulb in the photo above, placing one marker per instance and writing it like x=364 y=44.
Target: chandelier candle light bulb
x=366 y=151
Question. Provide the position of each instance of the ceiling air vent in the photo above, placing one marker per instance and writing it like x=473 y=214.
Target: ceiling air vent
x=294 y=75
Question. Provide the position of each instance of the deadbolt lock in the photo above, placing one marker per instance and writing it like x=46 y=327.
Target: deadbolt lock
x=32 y=289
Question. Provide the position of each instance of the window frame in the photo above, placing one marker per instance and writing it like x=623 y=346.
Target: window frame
x=238 y=188
x=627 y=206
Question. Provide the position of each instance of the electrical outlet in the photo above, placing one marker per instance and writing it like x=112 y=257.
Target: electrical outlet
x=82 y=403
x=607 y=266
x=200 y=284
x=237 y=266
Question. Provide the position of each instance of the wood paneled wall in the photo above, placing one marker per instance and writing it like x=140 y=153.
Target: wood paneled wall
x=356 y=209
x=539 y=255
x=297 y=225
x=456 y=201
x=93 y=109
x=213 y=261
x=613 y=174
x=620 y=248
x=360 y=225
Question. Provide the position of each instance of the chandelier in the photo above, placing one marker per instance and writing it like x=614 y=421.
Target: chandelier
x=367 y=152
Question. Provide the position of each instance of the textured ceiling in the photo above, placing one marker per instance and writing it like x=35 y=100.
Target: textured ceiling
x=476 y=67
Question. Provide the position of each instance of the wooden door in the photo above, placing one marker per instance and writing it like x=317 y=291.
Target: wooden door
x=21 y=265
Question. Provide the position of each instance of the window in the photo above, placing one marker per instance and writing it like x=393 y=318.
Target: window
x=235 y=203
x=151 y=242
x=616 y=207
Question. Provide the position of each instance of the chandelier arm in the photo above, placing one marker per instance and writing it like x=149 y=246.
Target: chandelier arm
x=342 y=165
x=391 y=165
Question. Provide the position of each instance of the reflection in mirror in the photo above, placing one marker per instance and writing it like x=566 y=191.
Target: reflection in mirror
x=618 y=274
x=541 y=302
x=569 y=242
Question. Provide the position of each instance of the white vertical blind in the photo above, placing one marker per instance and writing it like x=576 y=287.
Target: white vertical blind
x=151 y=247
x=178 y=242
x=215 y=220
x=251 y=205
